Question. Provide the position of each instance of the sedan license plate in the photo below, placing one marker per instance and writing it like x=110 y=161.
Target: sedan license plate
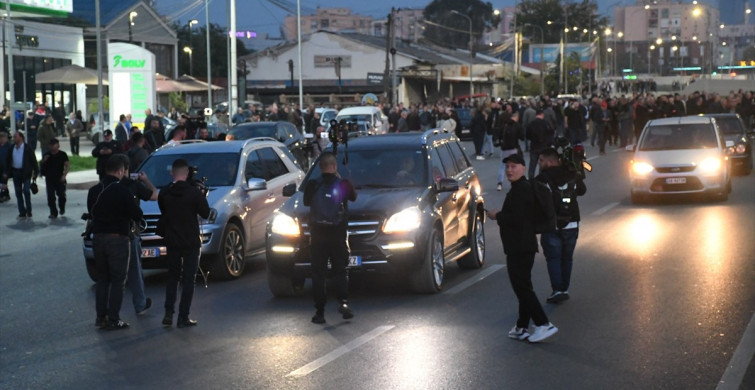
x=355 y=261
x=150 y=252
x=676 y=180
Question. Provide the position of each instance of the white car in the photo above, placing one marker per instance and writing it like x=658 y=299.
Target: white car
x=682 y=155
x=368 y=118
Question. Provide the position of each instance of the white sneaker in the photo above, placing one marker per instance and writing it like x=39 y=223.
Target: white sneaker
x=519 y=333
x=500 y=187
x=543 y=332
x=480 y=157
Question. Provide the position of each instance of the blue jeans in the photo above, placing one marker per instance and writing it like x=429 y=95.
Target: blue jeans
x=135 y=277
x=487 y=144
x=182 y=264
x=23 y=192
x=558 y=248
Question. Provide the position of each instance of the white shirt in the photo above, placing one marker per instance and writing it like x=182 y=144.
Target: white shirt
x=18 y=156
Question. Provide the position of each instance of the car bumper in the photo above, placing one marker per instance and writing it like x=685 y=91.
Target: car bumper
x=678 y=184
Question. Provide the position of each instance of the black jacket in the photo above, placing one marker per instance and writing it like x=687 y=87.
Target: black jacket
x=345 y=185
x=30 y=166
x=113 y=145
x=112 y=207
x=180 y=203
x=540 y=134
x=558 y=177
x=516 y=219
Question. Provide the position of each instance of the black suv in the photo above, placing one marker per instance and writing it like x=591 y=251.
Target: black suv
x=418 y=206
x=282 y=131
x=738 y=143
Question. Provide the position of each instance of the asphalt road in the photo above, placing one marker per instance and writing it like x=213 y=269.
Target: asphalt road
x=661 y=298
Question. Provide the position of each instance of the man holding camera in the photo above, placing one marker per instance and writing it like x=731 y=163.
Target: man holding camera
x=328 y=220
x=180 y=203
x=558 y=246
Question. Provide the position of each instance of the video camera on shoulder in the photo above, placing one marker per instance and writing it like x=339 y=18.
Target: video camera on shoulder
x=572 y=156
x=200 y=183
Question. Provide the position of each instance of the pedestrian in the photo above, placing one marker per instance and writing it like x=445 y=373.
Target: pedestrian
x=403 y=126
x=104 y=150
x=328 y=200
x=74 y=127
x=490 y=118
x=121 y=131
x=137 y=154
x=54 y=168
x=46 y=133
x=179 y=134
x=180 y=203
x=142 y=189
x=113 y=210
x=516 y=222
x=574 y=121
x=5 y=150
x=540 y=135
x=21 y=165
x=558 y=246
x=511 y=134
x=478 y=130
x=154 y=135
x=320 y=142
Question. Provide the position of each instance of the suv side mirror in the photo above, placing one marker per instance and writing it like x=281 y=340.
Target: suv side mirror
x=256 y=184
x=289 y=190
x=448 y=185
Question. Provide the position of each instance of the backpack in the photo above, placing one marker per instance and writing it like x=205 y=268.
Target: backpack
x=545 y=210
x=328 y=206
x=565 y=202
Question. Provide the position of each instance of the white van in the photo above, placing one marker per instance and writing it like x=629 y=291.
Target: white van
x=368 y=118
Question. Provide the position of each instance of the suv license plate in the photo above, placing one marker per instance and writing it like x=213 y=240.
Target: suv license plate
x=150 y=252
x=676 y=180
x=355 y=261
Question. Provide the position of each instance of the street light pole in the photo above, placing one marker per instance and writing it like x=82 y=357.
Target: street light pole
x=131 y=17
x=209 y=68
x=471 y=83
x=11 y=79
x=191 y=62
x=188 y=50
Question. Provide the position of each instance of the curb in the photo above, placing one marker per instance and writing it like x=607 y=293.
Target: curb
x=82 y=186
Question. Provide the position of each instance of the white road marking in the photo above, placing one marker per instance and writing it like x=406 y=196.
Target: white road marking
x=737 y=367
x=482 y=275
x=604 y=209
x=592 y=158
x=338 y=352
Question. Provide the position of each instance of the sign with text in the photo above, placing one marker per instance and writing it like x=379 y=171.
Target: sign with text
x=40 y=7
x=375 y=78
x=131 y=73
x=330 y=61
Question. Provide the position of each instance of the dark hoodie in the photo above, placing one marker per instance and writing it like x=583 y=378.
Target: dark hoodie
x=558 y=177
x=180 y=203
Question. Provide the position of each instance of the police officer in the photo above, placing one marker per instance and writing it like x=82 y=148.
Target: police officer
x=113 y=209
x=180 y=203
x=516 y=220
x=328 y=222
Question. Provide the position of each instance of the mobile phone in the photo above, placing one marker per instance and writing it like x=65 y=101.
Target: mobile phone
x=133 y=176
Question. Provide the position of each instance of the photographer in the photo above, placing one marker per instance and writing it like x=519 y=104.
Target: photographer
x=180 y=203
x=328 y=221
x=558 y=246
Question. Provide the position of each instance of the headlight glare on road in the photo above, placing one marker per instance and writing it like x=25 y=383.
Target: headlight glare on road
x=641 y=168
x=284 y=225
x=404 y=221
x=710 y=166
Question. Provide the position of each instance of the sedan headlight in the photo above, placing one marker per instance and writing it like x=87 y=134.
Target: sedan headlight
x=404 y=221
x=710 y=166
x=641 y=168
x=213 y=216
x=285 y=225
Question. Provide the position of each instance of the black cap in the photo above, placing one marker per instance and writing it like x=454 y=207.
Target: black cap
x=538 y=111
x=107 y=132
x=514 y=158
x=54 y=141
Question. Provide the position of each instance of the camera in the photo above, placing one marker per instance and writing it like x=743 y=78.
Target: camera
x=200 y=183
x=133 y=176
x=572 y=156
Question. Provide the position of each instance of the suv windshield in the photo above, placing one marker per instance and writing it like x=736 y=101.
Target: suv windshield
x=380 y=168
x=247 y=132
x=359 y=119
x=729 y=126
x=220 y=169
x=679 y=137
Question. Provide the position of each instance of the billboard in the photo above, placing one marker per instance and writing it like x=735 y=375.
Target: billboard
x=551 y=52
x=131 y=74
x=40 y=7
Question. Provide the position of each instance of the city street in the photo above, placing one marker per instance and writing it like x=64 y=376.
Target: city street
x=662 y=297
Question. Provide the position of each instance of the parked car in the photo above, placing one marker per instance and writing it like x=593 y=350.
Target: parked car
x=733 y=129
x=369 y=118
x=419 y=206
x=326 y=115
x=245 y=181
x=684 y=155
x=282 y=131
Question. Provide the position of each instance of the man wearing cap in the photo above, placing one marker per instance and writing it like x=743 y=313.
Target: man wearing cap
x=55 y=167
x=104 y=150
x=516 y=221
x=540 y=134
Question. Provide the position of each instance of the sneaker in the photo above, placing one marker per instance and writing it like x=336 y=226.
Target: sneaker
x=52 y=216
x=146 y=307
x=517 y=333
x=21 y=216
x=115 y=325
x=100 y=322
x=565 y=295
x=556 y=297
x=480 y=157
x=168 y=319
x=345 y=311
x=185 y=323
x=28 y=215
x=543 y=332
x=62 y=210
x=318 y=318
x=500 y=187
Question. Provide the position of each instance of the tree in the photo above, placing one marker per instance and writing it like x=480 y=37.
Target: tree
x=561 y=14
x=218 y=48
x=748 y=54
x=445 y=28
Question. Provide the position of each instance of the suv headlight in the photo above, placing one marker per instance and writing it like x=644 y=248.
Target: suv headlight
x=740 y=148
x=213 y=216
x=710 y=166
x=284 y=225
x=405 y=220
x=641 y=168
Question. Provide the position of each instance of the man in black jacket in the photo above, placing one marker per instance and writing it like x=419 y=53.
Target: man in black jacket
x=478 y=130
x=180 y=203
x=558 y=246
x=540 y=134
x=516 y=221
x=113 y=210
x=21 y=165
x=104 y=150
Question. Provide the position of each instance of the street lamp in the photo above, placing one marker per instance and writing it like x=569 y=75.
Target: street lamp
x=191 y=47
x=471 y=84
x=189 y=51
x=542 y=42
x=131 y=17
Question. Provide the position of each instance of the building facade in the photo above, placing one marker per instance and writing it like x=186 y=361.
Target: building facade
x=327 y=19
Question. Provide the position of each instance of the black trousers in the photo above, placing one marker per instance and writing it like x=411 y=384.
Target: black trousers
x=478 y=139
x=182 y=264
x=519 y=267
x=111 y=257
x=329 y=244
x=56 y=188
x=74 y=145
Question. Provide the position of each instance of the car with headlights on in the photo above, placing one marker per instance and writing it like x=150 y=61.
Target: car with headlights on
x=419 y=206
x=244 y=181
x=733 y=129
x=681 y=155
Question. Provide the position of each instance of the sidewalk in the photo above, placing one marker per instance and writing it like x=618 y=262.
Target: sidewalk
x=82 y=180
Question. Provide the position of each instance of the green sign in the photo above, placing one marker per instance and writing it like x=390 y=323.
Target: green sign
x=118 y=61
x=40 y=7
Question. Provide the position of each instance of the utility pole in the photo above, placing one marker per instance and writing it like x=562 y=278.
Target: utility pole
x=387 y=71
x=209 y=67
x=394 y=76
x=233 y=102
x=100 y=103
x=301 y=65
x=11 y=82
x=566 y=41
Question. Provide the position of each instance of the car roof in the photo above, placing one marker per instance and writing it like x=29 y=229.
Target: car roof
x=726 y=115
x=358 y=110
x=215 y=146
x=683 y=120
x=408 y=140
